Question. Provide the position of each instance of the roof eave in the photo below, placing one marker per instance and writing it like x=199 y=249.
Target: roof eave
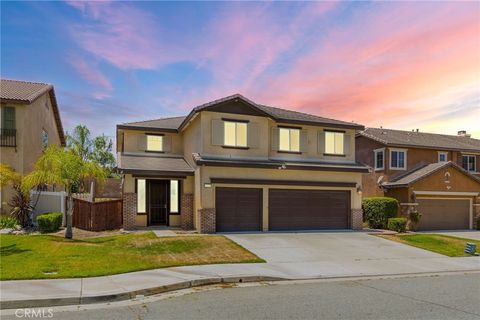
x=145 y=128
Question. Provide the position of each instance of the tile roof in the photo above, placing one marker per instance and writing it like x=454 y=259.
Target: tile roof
x=421 y=139
x=418 y=174
x=153 y=163
x=17 y=91
x=171 y=123
x=278 y=114
x=22 y=90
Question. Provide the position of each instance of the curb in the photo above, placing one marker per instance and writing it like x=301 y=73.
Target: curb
x=56 y=302
x=115 y=297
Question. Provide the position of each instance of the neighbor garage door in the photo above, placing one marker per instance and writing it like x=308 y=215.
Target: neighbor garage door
x=446 y=214
x=308 y=209
x=238 y=209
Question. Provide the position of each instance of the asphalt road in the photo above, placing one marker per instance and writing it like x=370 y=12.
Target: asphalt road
x=426 y=297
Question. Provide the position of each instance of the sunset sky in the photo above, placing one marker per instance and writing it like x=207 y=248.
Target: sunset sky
x=402 y=65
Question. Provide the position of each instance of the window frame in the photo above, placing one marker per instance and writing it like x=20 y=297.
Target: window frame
x=441 y=153
x=335 y=153
x=474 y=162
x=404 y=151
x=375 y=152
x=236 y=124
x=290 y=129
x=162 y=136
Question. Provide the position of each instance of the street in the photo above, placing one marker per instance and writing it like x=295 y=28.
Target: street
x=422 y=297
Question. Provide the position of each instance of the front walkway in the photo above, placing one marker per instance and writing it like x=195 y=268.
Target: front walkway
x=289 y=256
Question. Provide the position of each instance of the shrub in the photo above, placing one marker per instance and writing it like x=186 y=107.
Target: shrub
x=7 y=222
x=414 y=217
x=49 y=222
x=377 y=211
x=397 y=224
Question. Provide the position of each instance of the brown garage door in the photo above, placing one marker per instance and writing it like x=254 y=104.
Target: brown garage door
x=438 y=214
x=308 y=209
x=238 y=209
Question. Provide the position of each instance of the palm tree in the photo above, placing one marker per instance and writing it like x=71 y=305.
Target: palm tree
x=8 y=175
x=79 y=142
x=62 y=167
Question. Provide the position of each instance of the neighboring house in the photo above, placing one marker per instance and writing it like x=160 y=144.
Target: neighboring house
x=30 y=120
x=235 y=165
x=436 y=174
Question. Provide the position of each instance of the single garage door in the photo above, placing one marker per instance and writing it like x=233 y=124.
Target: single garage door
x=308 y=209
x=446 y=214
x=238 y=209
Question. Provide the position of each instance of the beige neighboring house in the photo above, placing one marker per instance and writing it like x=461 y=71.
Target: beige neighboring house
x=30 y=120
x=235 y=165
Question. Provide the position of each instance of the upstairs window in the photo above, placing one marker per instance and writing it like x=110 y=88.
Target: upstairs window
x=289 y=140
x=154 y=143
x=379 y=159
x=442 y=157
x=334 y=142
x=235 y=134
x=468 y=163
x=44 y=139
x=398 y=159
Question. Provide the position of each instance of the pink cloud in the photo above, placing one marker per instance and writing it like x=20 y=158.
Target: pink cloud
x=93 y=75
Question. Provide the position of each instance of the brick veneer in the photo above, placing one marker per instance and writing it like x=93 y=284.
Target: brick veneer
x=357 y=219
x=186 y=213
x=129 y=210
x=207 y=220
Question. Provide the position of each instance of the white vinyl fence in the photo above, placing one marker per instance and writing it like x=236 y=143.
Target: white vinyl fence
x=48 y=201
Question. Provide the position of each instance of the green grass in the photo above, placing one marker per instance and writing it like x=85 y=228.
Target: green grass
x=48 y=257
x=446 y=245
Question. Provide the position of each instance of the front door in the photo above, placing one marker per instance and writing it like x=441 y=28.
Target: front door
x=158 y=190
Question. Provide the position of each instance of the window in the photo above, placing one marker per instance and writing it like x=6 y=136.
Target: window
x=173 y=196
x=154 y=143
x=442 y=156
x=289 y=140
x=379 y=159
x=8 y=118
x=44 y=139
x=398 y=159
x=468 y=163
x=334 y=142
x=141 y=196
x=235 y=134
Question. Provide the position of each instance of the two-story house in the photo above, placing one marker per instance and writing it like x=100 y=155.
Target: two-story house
x=436 y=174
x=235 y=165
x=30 y=120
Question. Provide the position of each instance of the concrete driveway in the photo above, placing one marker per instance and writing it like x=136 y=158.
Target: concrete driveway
x=345 y=253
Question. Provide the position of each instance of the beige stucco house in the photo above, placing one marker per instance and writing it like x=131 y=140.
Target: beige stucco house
x=30 y=120
x=235 y=165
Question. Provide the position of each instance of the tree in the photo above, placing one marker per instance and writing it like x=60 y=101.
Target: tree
x=63 y=167
x=79 y=142
x=8 y=175
x=102 y=152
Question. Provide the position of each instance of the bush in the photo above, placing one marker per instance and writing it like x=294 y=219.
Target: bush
x=414 y=217
x=7 y=222
x=397 y=224
x=377 y=211
x=50 y=222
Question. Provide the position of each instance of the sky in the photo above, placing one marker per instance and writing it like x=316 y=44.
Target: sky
x=400 y=65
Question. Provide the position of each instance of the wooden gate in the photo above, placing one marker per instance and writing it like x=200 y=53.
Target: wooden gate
x=97 y=216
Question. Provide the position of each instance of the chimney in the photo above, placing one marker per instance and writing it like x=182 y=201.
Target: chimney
x=463 y=133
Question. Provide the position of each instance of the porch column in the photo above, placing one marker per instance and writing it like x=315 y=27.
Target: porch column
x=129 y=210
x=186 y=211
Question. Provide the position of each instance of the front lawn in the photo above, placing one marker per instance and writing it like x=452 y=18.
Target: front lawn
x=47 y=257
x=446 y=245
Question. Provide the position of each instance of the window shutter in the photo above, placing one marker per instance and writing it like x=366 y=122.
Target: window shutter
x=142 y=142
x=321 y=141
x=167 y=143
x=274 y=134
x=252 y=135
x=346 y=143
x=217 y=132
x=303 y=141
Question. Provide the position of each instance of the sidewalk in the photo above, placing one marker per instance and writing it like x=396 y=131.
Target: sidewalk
x=42 y=293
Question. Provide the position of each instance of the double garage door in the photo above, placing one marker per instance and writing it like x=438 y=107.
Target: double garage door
x=240 y=209
x=443 y=214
